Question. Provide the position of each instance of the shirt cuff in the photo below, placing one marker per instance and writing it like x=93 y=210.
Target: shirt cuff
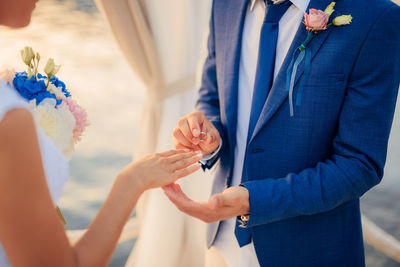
x=210 y=156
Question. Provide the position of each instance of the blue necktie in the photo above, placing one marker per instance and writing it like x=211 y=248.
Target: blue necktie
x=266 y=60
x=263 y=81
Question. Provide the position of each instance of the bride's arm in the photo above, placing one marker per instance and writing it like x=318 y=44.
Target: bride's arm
x=30 y=229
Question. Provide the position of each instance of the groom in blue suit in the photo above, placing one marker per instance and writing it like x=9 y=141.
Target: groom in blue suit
x=297 y=144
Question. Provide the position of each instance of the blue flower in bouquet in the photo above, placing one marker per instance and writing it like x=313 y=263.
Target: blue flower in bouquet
x=56 y=82
x=43 y=95
x=60 y=84
x=40 y=76
x=34 y=86
x=30 y=88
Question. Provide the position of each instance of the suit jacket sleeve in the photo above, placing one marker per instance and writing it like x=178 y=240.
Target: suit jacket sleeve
x=360 y=144
x=208 y=101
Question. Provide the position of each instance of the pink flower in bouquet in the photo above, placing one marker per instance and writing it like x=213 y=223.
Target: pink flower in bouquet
x=81 y=118
x=7 y=75
x=316 y=20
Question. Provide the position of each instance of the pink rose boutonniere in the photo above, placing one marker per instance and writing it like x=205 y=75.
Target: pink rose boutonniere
x=315 y=21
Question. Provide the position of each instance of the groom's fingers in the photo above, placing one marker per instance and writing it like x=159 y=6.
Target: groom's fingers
x=211 y=134
x=180 y=146
x=181 y=139
x=199 y=210
x=227 y=198
x=183 y=125
x=218 y=208
x=194 y=120
x=214 y=135
x=208 y=139
x=181 y=201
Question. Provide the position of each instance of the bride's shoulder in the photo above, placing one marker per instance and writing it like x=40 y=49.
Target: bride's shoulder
x=17 y=126
x=15 y=118
x=17 y=132
x=16 y=122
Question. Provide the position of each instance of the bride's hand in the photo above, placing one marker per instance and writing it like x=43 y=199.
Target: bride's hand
x=161 y=169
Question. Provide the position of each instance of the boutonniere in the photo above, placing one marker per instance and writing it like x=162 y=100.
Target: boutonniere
x=315 y=21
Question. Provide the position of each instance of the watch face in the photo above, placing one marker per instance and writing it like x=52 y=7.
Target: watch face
x=244 y=218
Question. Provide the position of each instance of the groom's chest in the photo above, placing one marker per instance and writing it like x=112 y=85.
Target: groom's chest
x=237 y=35
x=250 y=45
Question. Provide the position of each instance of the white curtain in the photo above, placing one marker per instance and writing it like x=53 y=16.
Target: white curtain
x=165 y=43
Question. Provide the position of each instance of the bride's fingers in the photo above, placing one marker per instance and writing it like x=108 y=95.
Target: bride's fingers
x=185 y=162
x=184 y=156
x=187 y=171
x=172 y=152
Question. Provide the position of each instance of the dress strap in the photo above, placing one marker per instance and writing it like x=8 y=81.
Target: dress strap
x=9 y=99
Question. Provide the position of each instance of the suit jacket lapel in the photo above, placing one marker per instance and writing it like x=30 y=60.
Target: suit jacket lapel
x=278 y=93
x=232 y=45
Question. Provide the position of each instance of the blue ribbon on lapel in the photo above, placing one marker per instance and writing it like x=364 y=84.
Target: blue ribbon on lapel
x=292 y=71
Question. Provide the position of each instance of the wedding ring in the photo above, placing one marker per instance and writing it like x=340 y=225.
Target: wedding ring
x=203 y=134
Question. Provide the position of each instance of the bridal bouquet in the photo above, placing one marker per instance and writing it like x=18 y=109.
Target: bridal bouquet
x=58 y=115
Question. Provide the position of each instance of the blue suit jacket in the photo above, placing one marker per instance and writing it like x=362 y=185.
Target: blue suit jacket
x=305 y=174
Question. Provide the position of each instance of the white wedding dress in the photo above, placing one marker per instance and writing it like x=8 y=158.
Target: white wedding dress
x=54 y=163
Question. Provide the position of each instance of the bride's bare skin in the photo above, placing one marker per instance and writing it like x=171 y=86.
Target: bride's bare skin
x=31 y=231
x=16 y=13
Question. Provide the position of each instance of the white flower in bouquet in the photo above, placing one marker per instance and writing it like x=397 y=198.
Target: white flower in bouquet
x=57 y=123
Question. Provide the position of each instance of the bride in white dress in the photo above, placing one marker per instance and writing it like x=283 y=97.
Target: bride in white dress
x=33 y=173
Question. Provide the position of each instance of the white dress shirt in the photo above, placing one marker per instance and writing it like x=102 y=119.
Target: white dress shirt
x=226 y=242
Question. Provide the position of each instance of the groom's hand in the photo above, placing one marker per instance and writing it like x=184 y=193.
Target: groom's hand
x=234 y=201
x=196 y=132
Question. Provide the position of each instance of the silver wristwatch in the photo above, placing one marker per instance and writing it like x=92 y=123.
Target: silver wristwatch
x=244 y=220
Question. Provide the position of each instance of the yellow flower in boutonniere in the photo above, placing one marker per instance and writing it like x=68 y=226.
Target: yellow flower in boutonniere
x=342 y=20
x=329 y=9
